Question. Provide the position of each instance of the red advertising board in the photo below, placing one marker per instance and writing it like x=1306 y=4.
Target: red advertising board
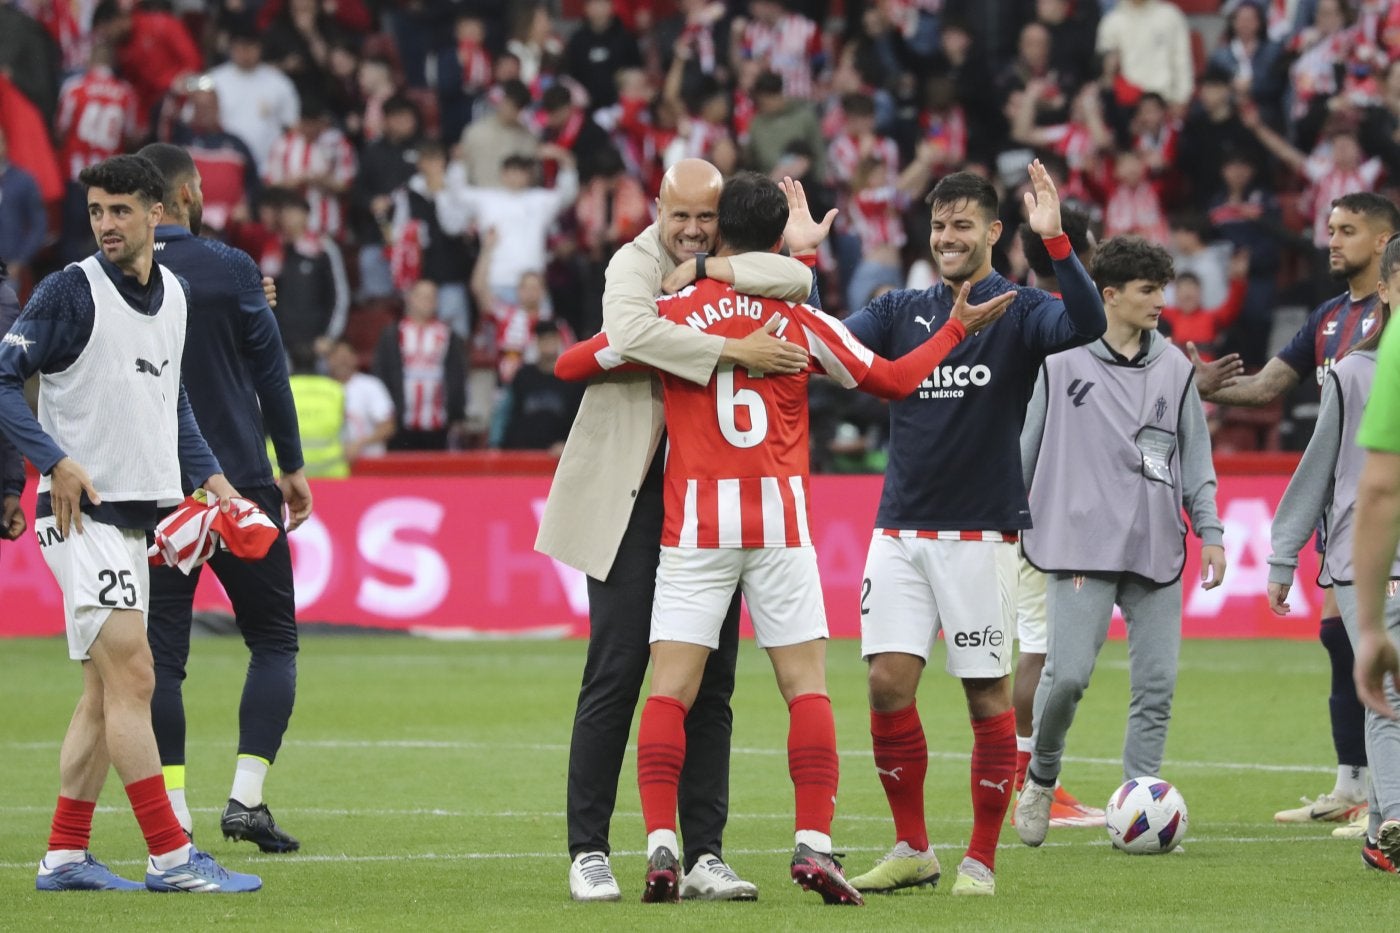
x=456 y=553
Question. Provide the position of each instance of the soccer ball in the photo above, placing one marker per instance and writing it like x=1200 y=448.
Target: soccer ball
x=1146 y=816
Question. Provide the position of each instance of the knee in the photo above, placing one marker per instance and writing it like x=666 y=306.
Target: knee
x=890 y=689
x=1333 y=635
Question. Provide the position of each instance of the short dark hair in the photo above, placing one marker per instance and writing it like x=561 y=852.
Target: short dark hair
x=555 y=97
x=1074 y=222
x=752 y=212
x=953 y=189
x=517 y=93
x=858 y=105
x=432 y=148
x=1124 y=259
x=400 y=104
x=126 y=174
x=1377 y=208
x=1188 y=276
x=516 y=160
x=768 y=83
x=173 y=163
x=1191 y=221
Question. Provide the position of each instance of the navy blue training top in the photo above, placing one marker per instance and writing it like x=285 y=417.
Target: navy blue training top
x=955 y=451
x=235 y=367
x=1331 y=329
x=48 y=337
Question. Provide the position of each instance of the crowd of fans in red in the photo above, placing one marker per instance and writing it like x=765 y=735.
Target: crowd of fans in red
x=421 y=174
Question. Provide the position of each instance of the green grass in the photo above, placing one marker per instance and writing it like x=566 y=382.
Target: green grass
x=426 y=781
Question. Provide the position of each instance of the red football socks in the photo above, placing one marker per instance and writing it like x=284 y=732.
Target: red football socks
x=812 y=760
x=901 y=760
x=152 y=808
x=1023 y=761
x=660 y=755
x=72 y=824
x=993 y=773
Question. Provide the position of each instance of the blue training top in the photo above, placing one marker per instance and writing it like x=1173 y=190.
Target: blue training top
x=955 y=454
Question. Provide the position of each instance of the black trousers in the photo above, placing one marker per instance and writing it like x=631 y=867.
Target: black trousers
x=264 y=607
x=619 y=612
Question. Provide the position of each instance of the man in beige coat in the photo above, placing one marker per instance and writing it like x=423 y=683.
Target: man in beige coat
x=604 y=516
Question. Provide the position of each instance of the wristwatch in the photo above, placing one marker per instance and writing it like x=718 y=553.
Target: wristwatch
x=700 y=266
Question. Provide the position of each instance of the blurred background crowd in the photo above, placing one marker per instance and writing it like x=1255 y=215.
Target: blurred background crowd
x=417 y=174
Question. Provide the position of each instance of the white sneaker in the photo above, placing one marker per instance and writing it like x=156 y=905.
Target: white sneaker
x=1328 y=808
x=1032 y=816
x=712 y=880
x=591 y=878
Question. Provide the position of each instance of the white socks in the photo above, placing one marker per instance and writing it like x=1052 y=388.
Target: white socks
x=182 y=810
x=172 y=859
x=818 y=842
x=1024 y=744
x=56 y=857
x=248 y=781
x=1351 y=782
x=662 y=837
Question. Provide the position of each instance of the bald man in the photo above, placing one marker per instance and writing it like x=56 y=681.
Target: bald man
x=604 y=514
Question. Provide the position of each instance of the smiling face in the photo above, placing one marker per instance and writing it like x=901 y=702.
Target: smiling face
x=1137 y=304
x=961 y=240
x=123 y=226
x=688 y=209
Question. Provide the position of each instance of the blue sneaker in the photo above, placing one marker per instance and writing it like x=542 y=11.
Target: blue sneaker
x=202 y=875
x=87 y=875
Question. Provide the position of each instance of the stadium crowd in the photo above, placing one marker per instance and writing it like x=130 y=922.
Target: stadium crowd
x=436 y=187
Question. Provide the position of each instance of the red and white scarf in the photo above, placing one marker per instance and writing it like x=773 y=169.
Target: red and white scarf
x=191 y=534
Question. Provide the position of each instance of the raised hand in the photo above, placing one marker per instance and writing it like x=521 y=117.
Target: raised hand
x=1043 y=204
x=802 y=232
x=976 y=317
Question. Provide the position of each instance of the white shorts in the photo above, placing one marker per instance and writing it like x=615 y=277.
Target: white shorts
x=916 y=587
x=694 y=587
x=100 y=570
x=1032 y=631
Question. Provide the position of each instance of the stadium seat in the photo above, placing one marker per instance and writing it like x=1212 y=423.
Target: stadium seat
x=1248 y=429
x=365 y=323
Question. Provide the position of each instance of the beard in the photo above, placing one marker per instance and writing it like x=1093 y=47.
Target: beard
x=196 y=218
x=1345 y=271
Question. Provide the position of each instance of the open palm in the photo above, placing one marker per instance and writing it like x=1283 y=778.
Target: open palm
x=803 y=233
x=1043 y=205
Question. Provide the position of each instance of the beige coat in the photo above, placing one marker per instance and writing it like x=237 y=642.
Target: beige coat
x=619 y=424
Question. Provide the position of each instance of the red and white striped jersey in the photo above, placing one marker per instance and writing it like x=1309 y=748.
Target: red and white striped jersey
x=846 y=151
x=96 y=114
x=1138 y=210
x=737 y=460
x=787 y=48
x=190 y=535
x=423 y=349
x=294 y=158
x=1330 y=183
x=876 y=216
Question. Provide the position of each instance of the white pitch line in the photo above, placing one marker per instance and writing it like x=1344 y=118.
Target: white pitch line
x=1191 y=842
x=453 y=745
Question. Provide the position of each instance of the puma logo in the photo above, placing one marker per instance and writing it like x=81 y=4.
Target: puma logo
x=928 y=325
x=999 y=786
x=892 y=773
x=146 y=366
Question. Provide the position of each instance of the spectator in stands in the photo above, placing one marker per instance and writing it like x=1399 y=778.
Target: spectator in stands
x=700 y=30
x=320 y=404
x=785 y=43
x=972 y=76
x=386 y=164
x=1153 y=44
x=1212 y=129
x=228 y=171
x=1072 y=27
x=488 y=142
x=1033 y=64
x=28 y=56
x=515 y=320
x=568 y=124
x=375 y=85
x=316 y=160
x=369 y=410
x=1246 y=215
x=424 y=236
x=1251 y=58
x=538 y=408
x=535 y=43
x=298 y=41
x=1154 y=133
x=1209 y=263
x=422 y=364
x=1337 y=166
x=521 y=214
x=780 y=120
x=257 y=102
x=1134 y=207
x=24 y=221
x=1318 y=48
x=876 y=207
x=1186 y=319
x=599 y=47
x=313 y=295
x=153 y=48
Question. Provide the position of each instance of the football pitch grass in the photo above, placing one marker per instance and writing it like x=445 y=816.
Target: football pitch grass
x=426 y=782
